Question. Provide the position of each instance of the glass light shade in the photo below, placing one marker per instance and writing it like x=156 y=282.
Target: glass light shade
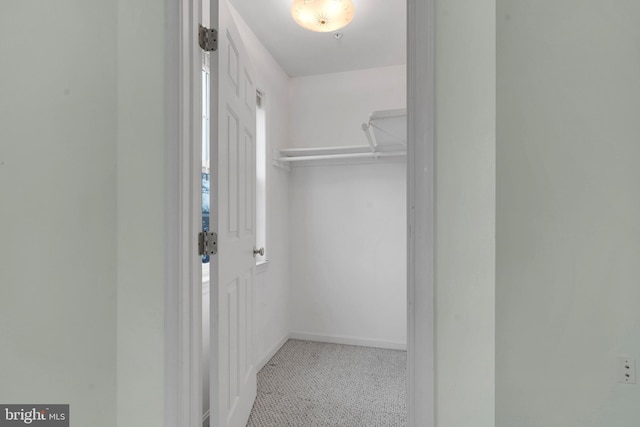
x=322 y=15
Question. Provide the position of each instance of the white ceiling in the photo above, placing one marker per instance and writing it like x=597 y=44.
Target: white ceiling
x=375 y=38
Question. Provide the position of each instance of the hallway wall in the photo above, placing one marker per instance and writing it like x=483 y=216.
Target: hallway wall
x=58 y=124
x=568 y=212
x=142 y=227
x=465 y=213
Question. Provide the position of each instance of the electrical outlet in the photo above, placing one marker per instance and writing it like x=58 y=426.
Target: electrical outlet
x=626 y=370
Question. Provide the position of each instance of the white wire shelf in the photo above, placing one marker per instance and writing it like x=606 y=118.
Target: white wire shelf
x=385 y=132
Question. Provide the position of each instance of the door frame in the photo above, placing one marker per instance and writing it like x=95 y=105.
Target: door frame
x=182 y=286
x=421 y=392
x=183 y=269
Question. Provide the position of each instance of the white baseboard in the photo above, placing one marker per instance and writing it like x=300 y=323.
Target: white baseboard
x=271 y=353
x=338 y=339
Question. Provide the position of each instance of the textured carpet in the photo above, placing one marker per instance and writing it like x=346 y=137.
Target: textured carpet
x=309 y=384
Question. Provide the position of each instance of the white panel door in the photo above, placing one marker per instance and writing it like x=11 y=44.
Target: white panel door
x=233 y=102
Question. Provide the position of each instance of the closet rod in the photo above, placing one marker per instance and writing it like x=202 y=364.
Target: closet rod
x=342 y=156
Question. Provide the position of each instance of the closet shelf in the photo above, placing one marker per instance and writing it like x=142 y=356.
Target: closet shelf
x=295 y=155
x=385 y=132
x=386 y=127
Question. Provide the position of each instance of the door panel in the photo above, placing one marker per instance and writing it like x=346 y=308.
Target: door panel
x=233 y=97
x=229 y=188
x=249 y=181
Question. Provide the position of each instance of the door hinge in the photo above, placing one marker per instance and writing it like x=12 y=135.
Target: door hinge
x=207 y=243
x=208 y=39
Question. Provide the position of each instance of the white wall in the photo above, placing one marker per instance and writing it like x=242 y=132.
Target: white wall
x=140 y=212
x=272 y=280
x=465 y=213
x=82 y=185
x=348 y=253
x=568 y=212
x=348 y=222
x=327 y=110
x=58 y=206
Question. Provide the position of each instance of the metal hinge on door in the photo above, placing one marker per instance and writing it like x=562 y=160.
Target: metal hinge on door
x=207 y=243
x=208 y=39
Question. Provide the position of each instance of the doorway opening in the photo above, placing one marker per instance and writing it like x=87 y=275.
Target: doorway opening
x=411 y=245
x=336 y=268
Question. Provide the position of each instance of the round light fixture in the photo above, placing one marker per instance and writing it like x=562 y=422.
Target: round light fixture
x=322 y=15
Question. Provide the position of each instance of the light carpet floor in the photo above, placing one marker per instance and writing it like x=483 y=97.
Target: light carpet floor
x=310 y=384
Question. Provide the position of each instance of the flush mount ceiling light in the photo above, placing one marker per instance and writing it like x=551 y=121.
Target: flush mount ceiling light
x=322 y=15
